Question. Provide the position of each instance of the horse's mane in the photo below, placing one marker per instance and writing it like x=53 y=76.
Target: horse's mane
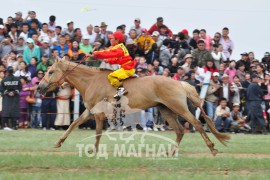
x=84 y=67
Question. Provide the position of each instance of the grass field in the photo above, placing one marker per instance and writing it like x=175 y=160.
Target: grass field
x=29 y=154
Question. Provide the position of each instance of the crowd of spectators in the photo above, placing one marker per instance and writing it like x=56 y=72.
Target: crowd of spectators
x=29 y=47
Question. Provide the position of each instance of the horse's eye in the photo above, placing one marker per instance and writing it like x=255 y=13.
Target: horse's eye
x=51 y=72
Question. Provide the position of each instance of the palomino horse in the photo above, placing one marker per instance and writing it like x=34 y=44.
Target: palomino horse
x=143 y=93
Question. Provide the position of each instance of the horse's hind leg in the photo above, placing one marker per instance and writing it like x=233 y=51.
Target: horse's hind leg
x=198 y=126
x=171 y=118
x=83 y=118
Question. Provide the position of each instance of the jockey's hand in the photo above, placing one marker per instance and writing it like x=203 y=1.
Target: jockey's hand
x=105 y=60
x=89 y=55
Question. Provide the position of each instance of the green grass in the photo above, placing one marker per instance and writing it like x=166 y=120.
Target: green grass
x=29 y=154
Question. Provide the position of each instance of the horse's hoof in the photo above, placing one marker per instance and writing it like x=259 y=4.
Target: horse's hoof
x=57 y=145
x=214 y=152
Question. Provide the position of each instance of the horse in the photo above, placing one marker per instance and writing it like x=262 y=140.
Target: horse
x=143 y=93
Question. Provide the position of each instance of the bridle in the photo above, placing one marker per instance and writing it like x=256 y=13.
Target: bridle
x=64 y=75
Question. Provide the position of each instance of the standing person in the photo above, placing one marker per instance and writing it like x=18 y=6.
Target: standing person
x=23 y=71
x=255 y=97
x=26 y=88
x=63 y=112
x=217 y=54
x=157 y=27
x=10 y=89
x=200 y=55
x=36 y=108
x=207 y=39
x=227 y=43
x=216 y=39
x=137 y=26
x=194 y=39
x=31 y=50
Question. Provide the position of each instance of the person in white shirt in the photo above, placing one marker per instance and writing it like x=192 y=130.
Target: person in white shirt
x=218 y=55
x=137 y=26
x=43 y=33
x=199 y=74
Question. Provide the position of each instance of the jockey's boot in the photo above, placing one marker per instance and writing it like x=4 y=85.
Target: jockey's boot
x=120 y=92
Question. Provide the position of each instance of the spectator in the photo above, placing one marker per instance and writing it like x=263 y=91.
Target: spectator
x=157 y=67
x=216 y=40
x=251 y=57
x=187 y=62
x=227 y=43
x=226 y=90
x=231 y=71
x=222 y=117
x=255 y=97
x=236 y=89
x=142 y=63
x=37 y=79
x=19 y=58
x=132 y=35
x=221 y=70
x=155 y=37
x=174 y=65
x=151 y=70
x=36 y=108
x=266 y=59
x=194 y=39
x=18 y=20
x=144 y=42
x=63 y=112
x=31 y=50
x=26 y=88
x=32 y=68
x=11 y=60
x=45 y=63
x=186 y=36
x=23 y=71
x=157 y=27
x=32 y=16
x=181 y=48
x=244 y=60
x=199 y=73
x=212 y=95
x=165 y=54
x=200 y=55
x=238 y=121
x=55 y=55
x=44 y=33
x=104 y=33
x=14 y=34
x=10 y=88
x=260 y=70
x=2 y=35
x=240 y=72
x=137 y=27
x=152 y=54
x=58 y=30
x=5 y=47
x=180 y=74
x=218 y=55
x=210 y=66
x=45 y=48
x=24 y=33
x=207 y=39
x=85 y=46
x=69 y=30
x=75 y=46
x=35 y=38
x=51 y=23
x=9 y=23
x=132 y=48
x=19 y=48
x=77 y=35
x=62 y=48
x=34 y=29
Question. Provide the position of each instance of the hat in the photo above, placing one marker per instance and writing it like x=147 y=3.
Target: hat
x=1 y=26
x=160 y=19
x=19 y=13
x=155 y=33
x=119 y=36
x=225 y=76
x=46 y=40
x=184 y=31
x=255 y=60
x=216 y=74
x=255 y=76
x=85 y=36
x=69 y=22
x=144 y=30
x=137 y=20
x=266 y=54
x=129 y=42
x=30 y=40
x=244 y=54
x=188 y=56
x=9 y=68
x=19 y=55
x=20 y=37
x=180 y=67
x=236 y=104
x=103 y=24
x=45 y=55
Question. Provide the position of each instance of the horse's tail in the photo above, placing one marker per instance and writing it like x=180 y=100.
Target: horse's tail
x=193 y=96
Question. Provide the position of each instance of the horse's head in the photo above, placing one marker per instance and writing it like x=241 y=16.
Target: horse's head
x=53 y=78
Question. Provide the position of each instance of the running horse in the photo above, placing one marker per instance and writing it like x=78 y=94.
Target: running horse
x=143 y=93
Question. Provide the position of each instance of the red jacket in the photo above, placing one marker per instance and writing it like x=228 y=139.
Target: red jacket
x=155 y=28
x=118 y=54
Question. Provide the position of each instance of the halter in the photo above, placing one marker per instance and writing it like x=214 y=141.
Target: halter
x=65 y=74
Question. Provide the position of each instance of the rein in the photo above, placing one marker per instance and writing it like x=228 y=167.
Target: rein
x=66 y=73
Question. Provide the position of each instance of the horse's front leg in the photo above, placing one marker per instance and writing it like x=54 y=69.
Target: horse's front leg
x=83 y=118
x=100 y=117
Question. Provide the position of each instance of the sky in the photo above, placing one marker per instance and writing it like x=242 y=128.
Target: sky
x=248 y=20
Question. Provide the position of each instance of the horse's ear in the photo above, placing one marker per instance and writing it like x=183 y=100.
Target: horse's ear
x=57 y=59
